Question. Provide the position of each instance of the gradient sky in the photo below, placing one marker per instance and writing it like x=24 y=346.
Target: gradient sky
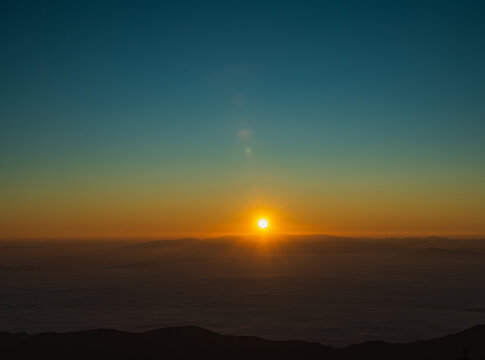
x=160 y=118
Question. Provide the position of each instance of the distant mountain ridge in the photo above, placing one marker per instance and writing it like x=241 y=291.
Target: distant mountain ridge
x=315 y=243
x=190 y=342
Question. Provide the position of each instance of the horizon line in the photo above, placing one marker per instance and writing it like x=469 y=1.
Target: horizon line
x=454 y=236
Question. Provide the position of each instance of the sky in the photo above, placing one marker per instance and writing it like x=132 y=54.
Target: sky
x=176 y=118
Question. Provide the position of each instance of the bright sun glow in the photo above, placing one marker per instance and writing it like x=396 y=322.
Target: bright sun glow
x=263 y=223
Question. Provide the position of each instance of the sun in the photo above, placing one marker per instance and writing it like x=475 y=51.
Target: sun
x=263 y=223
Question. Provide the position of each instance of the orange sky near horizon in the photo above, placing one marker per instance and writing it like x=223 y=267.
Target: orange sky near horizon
x=137 y=208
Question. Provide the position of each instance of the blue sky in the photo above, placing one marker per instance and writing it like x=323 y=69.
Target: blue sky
x=390 y=93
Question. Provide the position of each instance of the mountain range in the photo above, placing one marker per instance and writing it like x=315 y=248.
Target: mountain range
x=190 y=342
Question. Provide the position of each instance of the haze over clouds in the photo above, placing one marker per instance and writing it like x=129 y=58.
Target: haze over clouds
x=319 y=288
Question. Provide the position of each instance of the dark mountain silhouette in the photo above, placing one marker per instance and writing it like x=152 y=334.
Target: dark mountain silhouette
x=325 y=243
x=196 y=343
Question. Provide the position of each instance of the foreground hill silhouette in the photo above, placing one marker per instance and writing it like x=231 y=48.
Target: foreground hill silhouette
x=189 y=342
